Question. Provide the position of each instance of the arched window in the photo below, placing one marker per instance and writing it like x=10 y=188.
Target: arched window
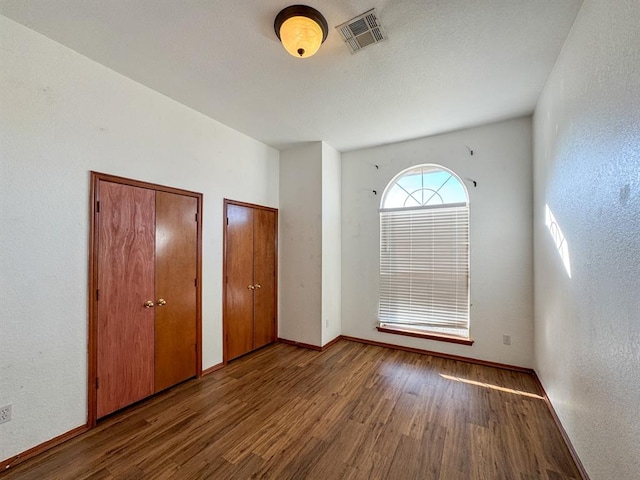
x=424 y=253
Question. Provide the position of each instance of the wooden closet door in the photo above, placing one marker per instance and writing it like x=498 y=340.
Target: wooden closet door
x=264 y=268
x=176 y=273
x=125 y=339
x=239 y=281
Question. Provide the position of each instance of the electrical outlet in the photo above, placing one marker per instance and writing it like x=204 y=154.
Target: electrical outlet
x=5 y=414
x=506 y=339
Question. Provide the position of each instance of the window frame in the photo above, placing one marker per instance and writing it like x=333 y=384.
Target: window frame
x=429 y=329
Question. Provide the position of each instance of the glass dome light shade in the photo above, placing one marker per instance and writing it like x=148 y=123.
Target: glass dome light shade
x=301 y=36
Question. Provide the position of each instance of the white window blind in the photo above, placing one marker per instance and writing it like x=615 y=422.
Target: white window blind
x=424 y=269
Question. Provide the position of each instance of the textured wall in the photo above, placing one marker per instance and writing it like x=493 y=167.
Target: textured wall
x=331 y=244
x=500 y=234
x=300 y=244
x=310 y=273
x=62 y=116
x=587 y=169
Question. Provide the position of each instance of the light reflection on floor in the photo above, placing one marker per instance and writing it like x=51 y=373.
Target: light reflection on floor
x=493 y=387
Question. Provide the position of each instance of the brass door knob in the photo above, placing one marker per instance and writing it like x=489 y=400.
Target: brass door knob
x=257 y=285
x=148 y=304
x=251 y=287
x=161 y=302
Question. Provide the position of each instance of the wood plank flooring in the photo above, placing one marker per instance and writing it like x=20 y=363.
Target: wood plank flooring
x=352 y=412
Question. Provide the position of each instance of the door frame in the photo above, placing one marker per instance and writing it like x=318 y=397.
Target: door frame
x=96 y=178
x=227 y=202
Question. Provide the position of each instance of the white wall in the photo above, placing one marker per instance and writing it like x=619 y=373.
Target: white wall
x=309 y=244
x=300 y=244
x=501 y=269
x=587 y=169
x=331 y=244
x=62 y=116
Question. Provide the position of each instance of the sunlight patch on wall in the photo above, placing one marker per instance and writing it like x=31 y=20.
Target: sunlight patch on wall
x=558 y=238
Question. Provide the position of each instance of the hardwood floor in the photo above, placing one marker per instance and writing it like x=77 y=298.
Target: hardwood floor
x=353 y=411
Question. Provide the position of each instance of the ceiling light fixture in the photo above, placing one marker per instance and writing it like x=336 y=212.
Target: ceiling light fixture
x=301 y=29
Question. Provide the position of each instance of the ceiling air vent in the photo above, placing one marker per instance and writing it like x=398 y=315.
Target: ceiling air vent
x=361 y=31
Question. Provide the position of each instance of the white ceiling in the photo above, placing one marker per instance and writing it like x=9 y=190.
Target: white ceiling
x=447 y=64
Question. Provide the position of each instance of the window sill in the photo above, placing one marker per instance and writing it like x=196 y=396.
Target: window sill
x=428 y=336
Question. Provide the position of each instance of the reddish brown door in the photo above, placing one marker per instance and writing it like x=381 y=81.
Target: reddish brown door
x=144 y=322
x=125 y=327
x=250 y=289
x=264 y=270
x=175 y=299
x=239 y=286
